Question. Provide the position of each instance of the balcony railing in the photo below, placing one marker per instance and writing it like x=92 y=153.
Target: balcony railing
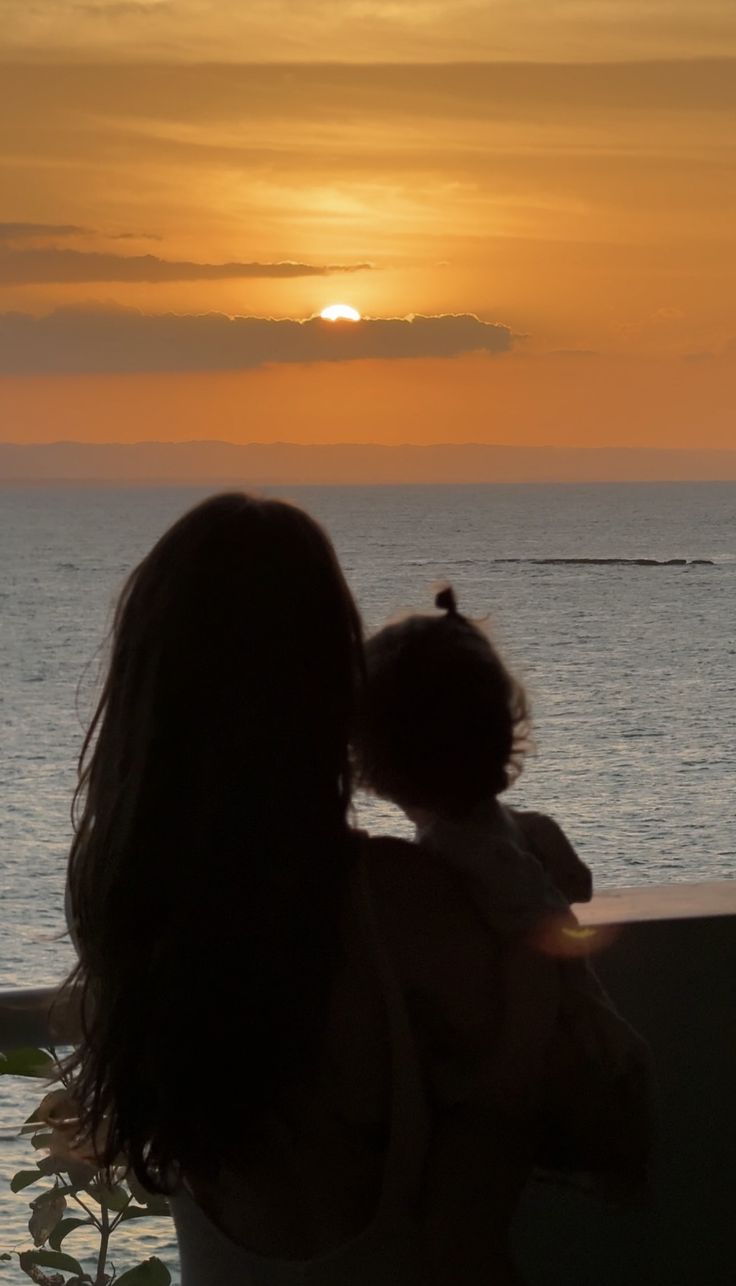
x=667 y=954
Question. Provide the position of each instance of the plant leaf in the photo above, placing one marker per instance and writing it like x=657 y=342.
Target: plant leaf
x=41 y=1140
x=155 y=1202
x=158 y=1205
x=79 y=1173
x=135 y=1212
x=23 y=1178
x=114 y=1198
x=45 y=1198
x=152 y=1272
x=51 y=1259
x=63 y=1229
x=26 y=1062
x=51 y=1165
x=46 y=1212
x=141 y=1194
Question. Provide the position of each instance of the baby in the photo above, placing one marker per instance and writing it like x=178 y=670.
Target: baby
x=442 y=734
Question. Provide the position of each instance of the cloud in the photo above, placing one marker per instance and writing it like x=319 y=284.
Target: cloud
x=135 y=236
x=125 y=9
x=53 y=265
x=32 y=231
x=378 y=30
x=85 y=341
x=722 y=351
x=669 y=313
x=572 y=353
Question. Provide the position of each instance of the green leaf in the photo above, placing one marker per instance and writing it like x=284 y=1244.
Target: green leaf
x=47 y=1197
x=135 y=1212
x=51 y=1165
x=27 y=1062
x=150 y=1273
x=114 y=1198
x=50 y=1259
x=38 y=1119
x=41 y=1140
x=80 y=1173
x=158 y=1205
x=47 y=1211
x=23 y=1178
x=141 y=1194
x=155 y=1202
x=63 y=1229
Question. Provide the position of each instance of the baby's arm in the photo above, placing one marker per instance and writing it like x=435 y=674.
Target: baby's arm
x=556 y=854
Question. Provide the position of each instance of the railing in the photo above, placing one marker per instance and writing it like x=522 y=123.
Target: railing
x=667 y=954
x=32 y=1016
x=670 y=965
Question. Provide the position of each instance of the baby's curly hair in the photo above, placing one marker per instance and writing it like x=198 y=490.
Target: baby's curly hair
x=443 y=724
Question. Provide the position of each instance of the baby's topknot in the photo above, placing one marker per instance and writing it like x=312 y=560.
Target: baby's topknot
x=442 y=723
x=446 y=601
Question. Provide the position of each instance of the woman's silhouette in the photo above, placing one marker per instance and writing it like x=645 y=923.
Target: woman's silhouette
x=284 y=1021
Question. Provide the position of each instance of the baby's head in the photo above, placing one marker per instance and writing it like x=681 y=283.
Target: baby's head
x=443 y=723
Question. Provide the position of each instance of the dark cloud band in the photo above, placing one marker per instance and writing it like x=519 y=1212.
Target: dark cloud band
x=74 y=341
x=53 y=266
x=33 y=231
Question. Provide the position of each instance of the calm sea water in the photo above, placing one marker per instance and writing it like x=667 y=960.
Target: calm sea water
x=631 y=671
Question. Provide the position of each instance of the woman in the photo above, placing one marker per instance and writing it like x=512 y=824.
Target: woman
x=284 y=1022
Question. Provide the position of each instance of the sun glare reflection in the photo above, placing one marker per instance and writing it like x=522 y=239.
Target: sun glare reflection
x=557 y=936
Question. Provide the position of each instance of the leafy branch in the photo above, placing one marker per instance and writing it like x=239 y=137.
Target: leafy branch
x=68 y=1163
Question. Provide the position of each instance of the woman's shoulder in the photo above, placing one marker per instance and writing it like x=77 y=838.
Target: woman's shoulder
x=416 y=889
x=451 y=963
x=440 y=945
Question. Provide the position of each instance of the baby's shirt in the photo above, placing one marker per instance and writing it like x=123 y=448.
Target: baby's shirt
x=521 y=865
x=521 y=870
x=518 y=899
x=522 y=873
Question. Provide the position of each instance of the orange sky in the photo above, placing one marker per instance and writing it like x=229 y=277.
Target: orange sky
x=575 y=186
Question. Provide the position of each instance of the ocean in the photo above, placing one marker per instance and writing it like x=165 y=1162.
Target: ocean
x=629 y=660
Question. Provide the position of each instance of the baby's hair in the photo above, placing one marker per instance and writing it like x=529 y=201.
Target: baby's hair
x=446 y=601
x=443 y=722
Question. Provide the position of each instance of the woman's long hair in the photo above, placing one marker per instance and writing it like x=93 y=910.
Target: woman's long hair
x=211 y=834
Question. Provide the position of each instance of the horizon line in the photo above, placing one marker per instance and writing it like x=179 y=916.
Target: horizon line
x=37 y=58
x=376 y=446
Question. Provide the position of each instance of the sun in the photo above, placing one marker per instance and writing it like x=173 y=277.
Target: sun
x=340 y=312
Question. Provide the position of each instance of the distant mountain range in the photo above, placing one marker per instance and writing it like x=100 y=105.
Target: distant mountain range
x=288 y=463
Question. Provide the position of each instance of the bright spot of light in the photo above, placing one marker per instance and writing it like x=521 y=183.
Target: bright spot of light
x=340 y=312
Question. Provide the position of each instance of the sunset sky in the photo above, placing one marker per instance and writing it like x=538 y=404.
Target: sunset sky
x=532 y=203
